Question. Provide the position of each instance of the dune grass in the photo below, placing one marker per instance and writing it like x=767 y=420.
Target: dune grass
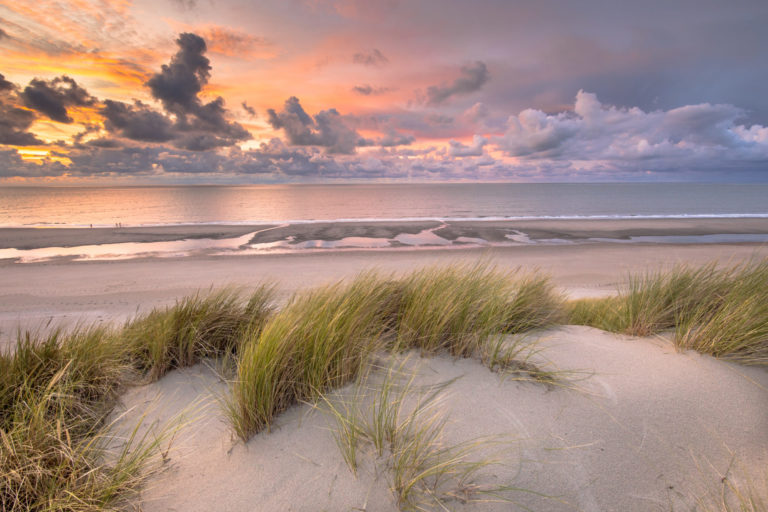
x=718 y=311
x=318 y=341
x=196 y=327
x=457 y=308
x=321 y=339
x=402 y=428
x=57 y=390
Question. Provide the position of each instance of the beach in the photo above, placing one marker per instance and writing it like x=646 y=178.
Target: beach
x=59 y=289
x=630 y=424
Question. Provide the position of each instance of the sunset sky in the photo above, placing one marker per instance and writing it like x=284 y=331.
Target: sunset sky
x=235 y=91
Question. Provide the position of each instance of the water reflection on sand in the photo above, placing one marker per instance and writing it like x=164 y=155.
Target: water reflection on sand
x=425 y=239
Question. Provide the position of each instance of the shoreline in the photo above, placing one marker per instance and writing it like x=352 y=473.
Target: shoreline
x=33 y=244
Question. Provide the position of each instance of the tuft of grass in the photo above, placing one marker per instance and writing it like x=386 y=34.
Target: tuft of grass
x=55 y=394
x=196 y=327
x=718 y=311
x=732 y=323
x=321 y=338
x=318 y=341
x=512 y=356
x=89 y=362
x=402 y=425
x=457 y=308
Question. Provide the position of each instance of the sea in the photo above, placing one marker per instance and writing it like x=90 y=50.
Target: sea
x=265 y=204
x=51 y=207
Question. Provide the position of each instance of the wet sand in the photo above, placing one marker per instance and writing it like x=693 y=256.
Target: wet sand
x=491 y=231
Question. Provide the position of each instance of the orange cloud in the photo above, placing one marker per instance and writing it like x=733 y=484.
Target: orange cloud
x=235 y=43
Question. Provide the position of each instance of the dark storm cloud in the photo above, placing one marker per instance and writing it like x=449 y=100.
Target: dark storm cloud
x=14 y=120
x=473 y=77
x=187 y=122
x=373 y=58
x=328 y=129
x=3 y=34
x=137 y=122
x=52 y=98
x=212 y=117
x=14 y=123
x=5 y=85
x=178 y=83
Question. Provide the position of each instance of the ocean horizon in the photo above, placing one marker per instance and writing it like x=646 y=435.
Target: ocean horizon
x=304 y=203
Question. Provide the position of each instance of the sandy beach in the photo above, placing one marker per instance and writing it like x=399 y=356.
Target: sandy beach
x=61 y=290
x=631 y=425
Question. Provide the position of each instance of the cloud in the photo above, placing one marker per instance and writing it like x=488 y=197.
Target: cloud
x=14 y=120
x=52 y=98
x=369 y=90
x=473 y=77
x=12 y=165
x=702 y=136
x=475 y=149
x=187 y=122
x=137 y=122
x=373 y=58
x=393 y=138
x=248 y=109
x=178 y=83
x=5 y=85
x=234 y=43
x=4 y=34
x=328 y=129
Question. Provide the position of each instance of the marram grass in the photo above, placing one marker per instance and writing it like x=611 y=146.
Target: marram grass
x=718 y=311
x=322 y=338
x=195 y=327
x=400 y=428
x=56 y=393
x=318 y=341
x=457 y=308
x=57 y=390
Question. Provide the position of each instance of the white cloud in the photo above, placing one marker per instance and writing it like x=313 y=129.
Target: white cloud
x=694 y=136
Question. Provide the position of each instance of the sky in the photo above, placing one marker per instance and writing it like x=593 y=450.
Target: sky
x=237 y=91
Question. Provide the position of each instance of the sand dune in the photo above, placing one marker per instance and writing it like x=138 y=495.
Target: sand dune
x=632 y=426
